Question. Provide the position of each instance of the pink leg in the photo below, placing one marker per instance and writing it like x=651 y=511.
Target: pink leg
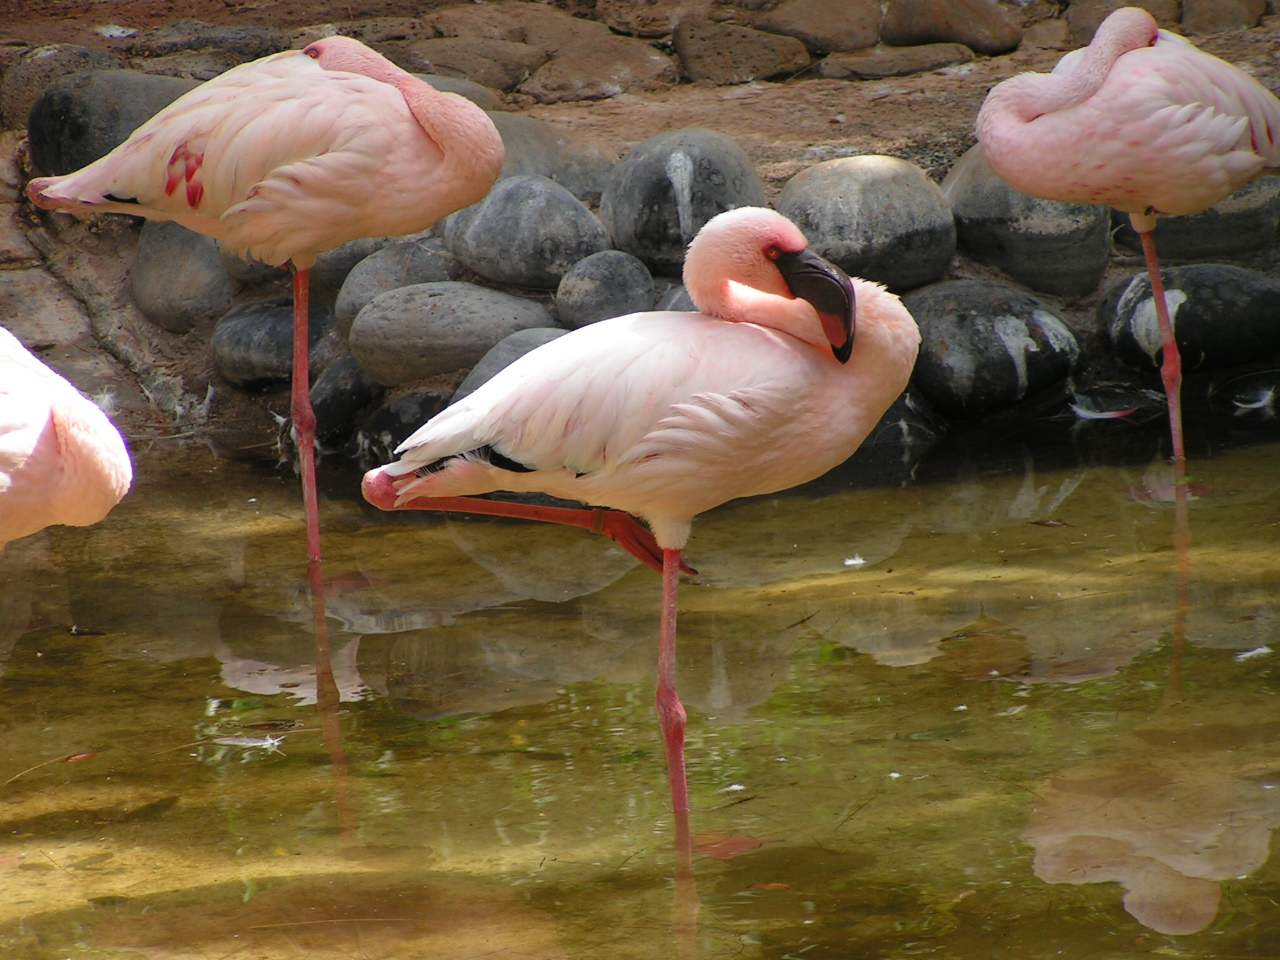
x=619 y=527
x=1171 y=369
x=304 y=419
x=671 y=714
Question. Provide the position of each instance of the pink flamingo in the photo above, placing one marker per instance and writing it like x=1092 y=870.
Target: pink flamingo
x=292 y=155
x=664 y=415
x=61 y=459
x=1142 y=121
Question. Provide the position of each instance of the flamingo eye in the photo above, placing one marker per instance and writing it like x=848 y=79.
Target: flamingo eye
x=312 y=52
x=773 y=252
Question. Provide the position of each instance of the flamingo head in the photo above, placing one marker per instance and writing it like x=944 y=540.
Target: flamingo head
x=348 y=55
x=752 y=264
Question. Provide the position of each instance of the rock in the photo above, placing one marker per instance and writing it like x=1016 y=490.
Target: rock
x=243 y=42
x=490 y=21
x=366 y=30
x=980 y=25
x=178 y=278
x=338 y=396
x=500 y=64
x=504 y=353
x=985 y=347
x=1057 y=248
x=662 y=192
x=332 y=267
x=583 y=169
x=1218 y=16
x=532 y=146
x=83 y=117
x=879 y=62
x=192 y=65
x=678 y=299
x=603 y=68
x=1052 y=34
x=400 y=264
x=433 y=328
x=253 y=343
x=826 y=26
x=724 y=53
x=876 y=217
x=1084 y=16
x=527 y=231
x=1222 y=316
x=650 y=20
x=1239 y=226
x=482 y=96
x=606 y=284
x=393 y=422
x=34 y=70
x=1251 y=396
x=250 y=270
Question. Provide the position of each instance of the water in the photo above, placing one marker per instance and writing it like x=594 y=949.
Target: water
x=949 y=716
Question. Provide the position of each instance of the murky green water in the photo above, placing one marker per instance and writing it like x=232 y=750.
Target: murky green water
x=925 y=722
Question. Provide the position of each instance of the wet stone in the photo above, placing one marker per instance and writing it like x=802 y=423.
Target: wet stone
x=83 y=117
x=985 y=348
x=606 y=284
x=433 y=328
x=253 y=343
x=1222 y=316
x=876 y=217
x=178 y=278
x=527 y=231
x=1057 y=248
x=583 y=169
x=33 y=71
x=392 y=423
x=399 y=264
x=662 y=192
x=1240 y=226
x=504 y=353
x=338 y=396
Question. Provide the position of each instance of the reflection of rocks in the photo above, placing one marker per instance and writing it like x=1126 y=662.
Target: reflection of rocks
x=1185 y=804
x=895 y=631
x=269 y=678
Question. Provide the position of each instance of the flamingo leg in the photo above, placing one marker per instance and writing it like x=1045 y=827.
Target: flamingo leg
x=303 y=417
x=671 y=712
x=1171 y=368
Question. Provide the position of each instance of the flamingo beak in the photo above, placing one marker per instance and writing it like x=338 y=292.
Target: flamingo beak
x=829 y=290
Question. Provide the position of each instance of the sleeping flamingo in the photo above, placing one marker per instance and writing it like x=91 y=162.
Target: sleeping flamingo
x=292 y=155
x=664 y=415
x=61 y=459
x=1142 y=121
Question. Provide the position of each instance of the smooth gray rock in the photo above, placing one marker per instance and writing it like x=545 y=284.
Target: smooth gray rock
x=486 y=98
x=532 y=146
x=253 y=343
x=433 y=328
x=678 y=299
x=87 y=115
x=178 y=279
x=33 y=71
x=332 y=266
x=1222 y=316
x=338 y=396
x=504 y=353
x=1240 y=226
x=251 y=270
x=244 y=42
x=606 y=284
x=528 y=231
x=661 y=193
x=1057 y=248
x=399 y=264
x=392 y=423
x=877 y=217
x=985 y=347
x=583 y=169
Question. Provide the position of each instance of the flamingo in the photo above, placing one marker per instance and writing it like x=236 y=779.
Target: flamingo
x=61 y=459
x=289 y=156
x=663 y=415
x=1140 y=120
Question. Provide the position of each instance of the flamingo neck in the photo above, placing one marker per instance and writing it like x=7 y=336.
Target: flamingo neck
x=472 y=147
x=739 y=302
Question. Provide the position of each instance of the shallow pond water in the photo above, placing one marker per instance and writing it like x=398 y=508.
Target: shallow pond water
x=951 y=713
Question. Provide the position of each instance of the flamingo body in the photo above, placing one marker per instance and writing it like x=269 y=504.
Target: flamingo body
x=61 y=460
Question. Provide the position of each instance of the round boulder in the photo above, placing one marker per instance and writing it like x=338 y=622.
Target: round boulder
x=32 y=71
x=1239 y=226
x=1057 y=248
x=432 y=328
x=399 y=264
x=531 y=146
x=393 y=422
x=253 y=343
x=985 y=347
x=528 y=231
x=85 y=116
x=332 y=266
x=178 y=278
x=876 y=217
x=504 y=353
x=583 y=169
x=1221 y=315
x=338 y=396
x=610 y=283
x=661 y=193
x=677 y=298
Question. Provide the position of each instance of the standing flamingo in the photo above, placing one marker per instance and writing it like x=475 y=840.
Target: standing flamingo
x=1142 y=121
x=292 y=155
x=664 y=415
x=61 y=459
